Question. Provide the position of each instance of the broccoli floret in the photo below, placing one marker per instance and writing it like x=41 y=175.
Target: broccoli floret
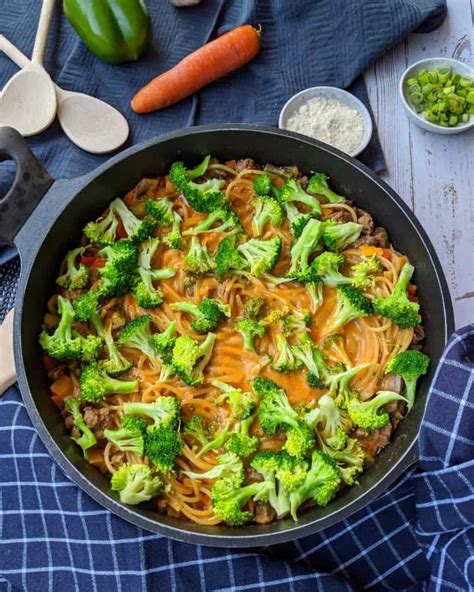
x=275 y=413
x=146 y=294
x=261 y=255
x=162 y=445
x=285 y=172
x=397 y=307
x=326 y=266
x=229 y=499
x=130 y=437
x=161 y=210
x=229 y=467
x=267 y=211
x=333 y=424
x=91 y=348
x=207 y=315
x=204 y=197
x=104 y=230
x=164 y=411
x=263 y=185
x=291 y=471
x=285 y=359
x=135 y=483
x=321 y=483
x=242 y=405
x=362 y=273
x=267 y=464
x=227 y=257
x=86 y=308
x=409 y=365
x=218 y=441
x=75 y=277
x=118 y=273
x=191 y=357
x=351 y=304
x=292 y=191
x=275 y=410
x=180 y=175
x=164 y=344
x=174 y=239
x=299 y=439
x=137 y=334
x=240 y=441
x=135 y=228
x=297 y=220
x=337 y=236
x=253 y=307
x=311 y=357
x=366 y=414
x=64 y=344
x=195 y=428
x=350 y=459
x=198 y=259
x=249 y=329
x=338 y=383
x=318 y=183
x=95 y=384
x=316 y=294
x=296 y=322
x=116 y=363
x=87 y=439
x=304 y=247
x=229 y=222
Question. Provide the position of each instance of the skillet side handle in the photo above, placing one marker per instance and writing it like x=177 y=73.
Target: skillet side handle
x=31 y=183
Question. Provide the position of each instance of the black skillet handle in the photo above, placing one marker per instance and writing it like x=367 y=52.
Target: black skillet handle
x=31 y=182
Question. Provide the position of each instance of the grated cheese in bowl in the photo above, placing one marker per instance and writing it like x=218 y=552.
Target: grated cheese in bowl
x=330 y=115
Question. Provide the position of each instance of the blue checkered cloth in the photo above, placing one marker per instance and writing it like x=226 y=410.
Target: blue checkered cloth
x=418 y=535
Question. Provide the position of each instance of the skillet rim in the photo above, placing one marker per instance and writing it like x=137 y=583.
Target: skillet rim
x=243 y=538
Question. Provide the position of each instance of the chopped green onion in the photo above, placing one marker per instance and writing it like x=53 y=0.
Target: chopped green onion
x=444 y=73
x=466 y=81
x=442 y=96
x=416 y=98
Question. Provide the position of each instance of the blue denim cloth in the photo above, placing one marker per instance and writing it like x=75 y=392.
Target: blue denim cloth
x=304 y=43
x=418 y=535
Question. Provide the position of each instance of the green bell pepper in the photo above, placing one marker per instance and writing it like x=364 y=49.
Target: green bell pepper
x=116 y=31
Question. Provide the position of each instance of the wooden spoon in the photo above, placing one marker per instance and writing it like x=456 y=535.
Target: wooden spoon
x=92 y=124
x=28 y=101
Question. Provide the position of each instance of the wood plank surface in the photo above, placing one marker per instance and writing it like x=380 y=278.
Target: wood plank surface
x=433 y=173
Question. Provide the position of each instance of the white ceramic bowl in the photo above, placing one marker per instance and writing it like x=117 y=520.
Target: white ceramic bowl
x=432 y=64
x=329 y=92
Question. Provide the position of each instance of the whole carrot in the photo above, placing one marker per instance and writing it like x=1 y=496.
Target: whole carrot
x=208 y=63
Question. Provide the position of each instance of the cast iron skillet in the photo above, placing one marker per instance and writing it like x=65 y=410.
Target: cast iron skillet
x=44 y=218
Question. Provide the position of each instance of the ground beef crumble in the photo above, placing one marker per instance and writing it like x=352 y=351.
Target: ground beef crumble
x=98 y=420
x=247 y=163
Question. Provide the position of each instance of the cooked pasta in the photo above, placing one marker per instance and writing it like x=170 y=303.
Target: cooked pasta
x=369 y=341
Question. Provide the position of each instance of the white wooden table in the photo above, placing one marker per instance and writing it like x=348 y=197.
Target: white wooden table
x=434 y=174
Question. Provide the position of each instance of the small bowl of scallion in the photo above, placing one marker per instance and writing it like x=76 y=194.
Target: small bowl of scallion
x=438 y=95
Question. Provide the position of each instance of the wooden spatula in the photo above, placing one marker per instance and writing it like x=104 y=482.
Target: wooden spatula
x=7 y=362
